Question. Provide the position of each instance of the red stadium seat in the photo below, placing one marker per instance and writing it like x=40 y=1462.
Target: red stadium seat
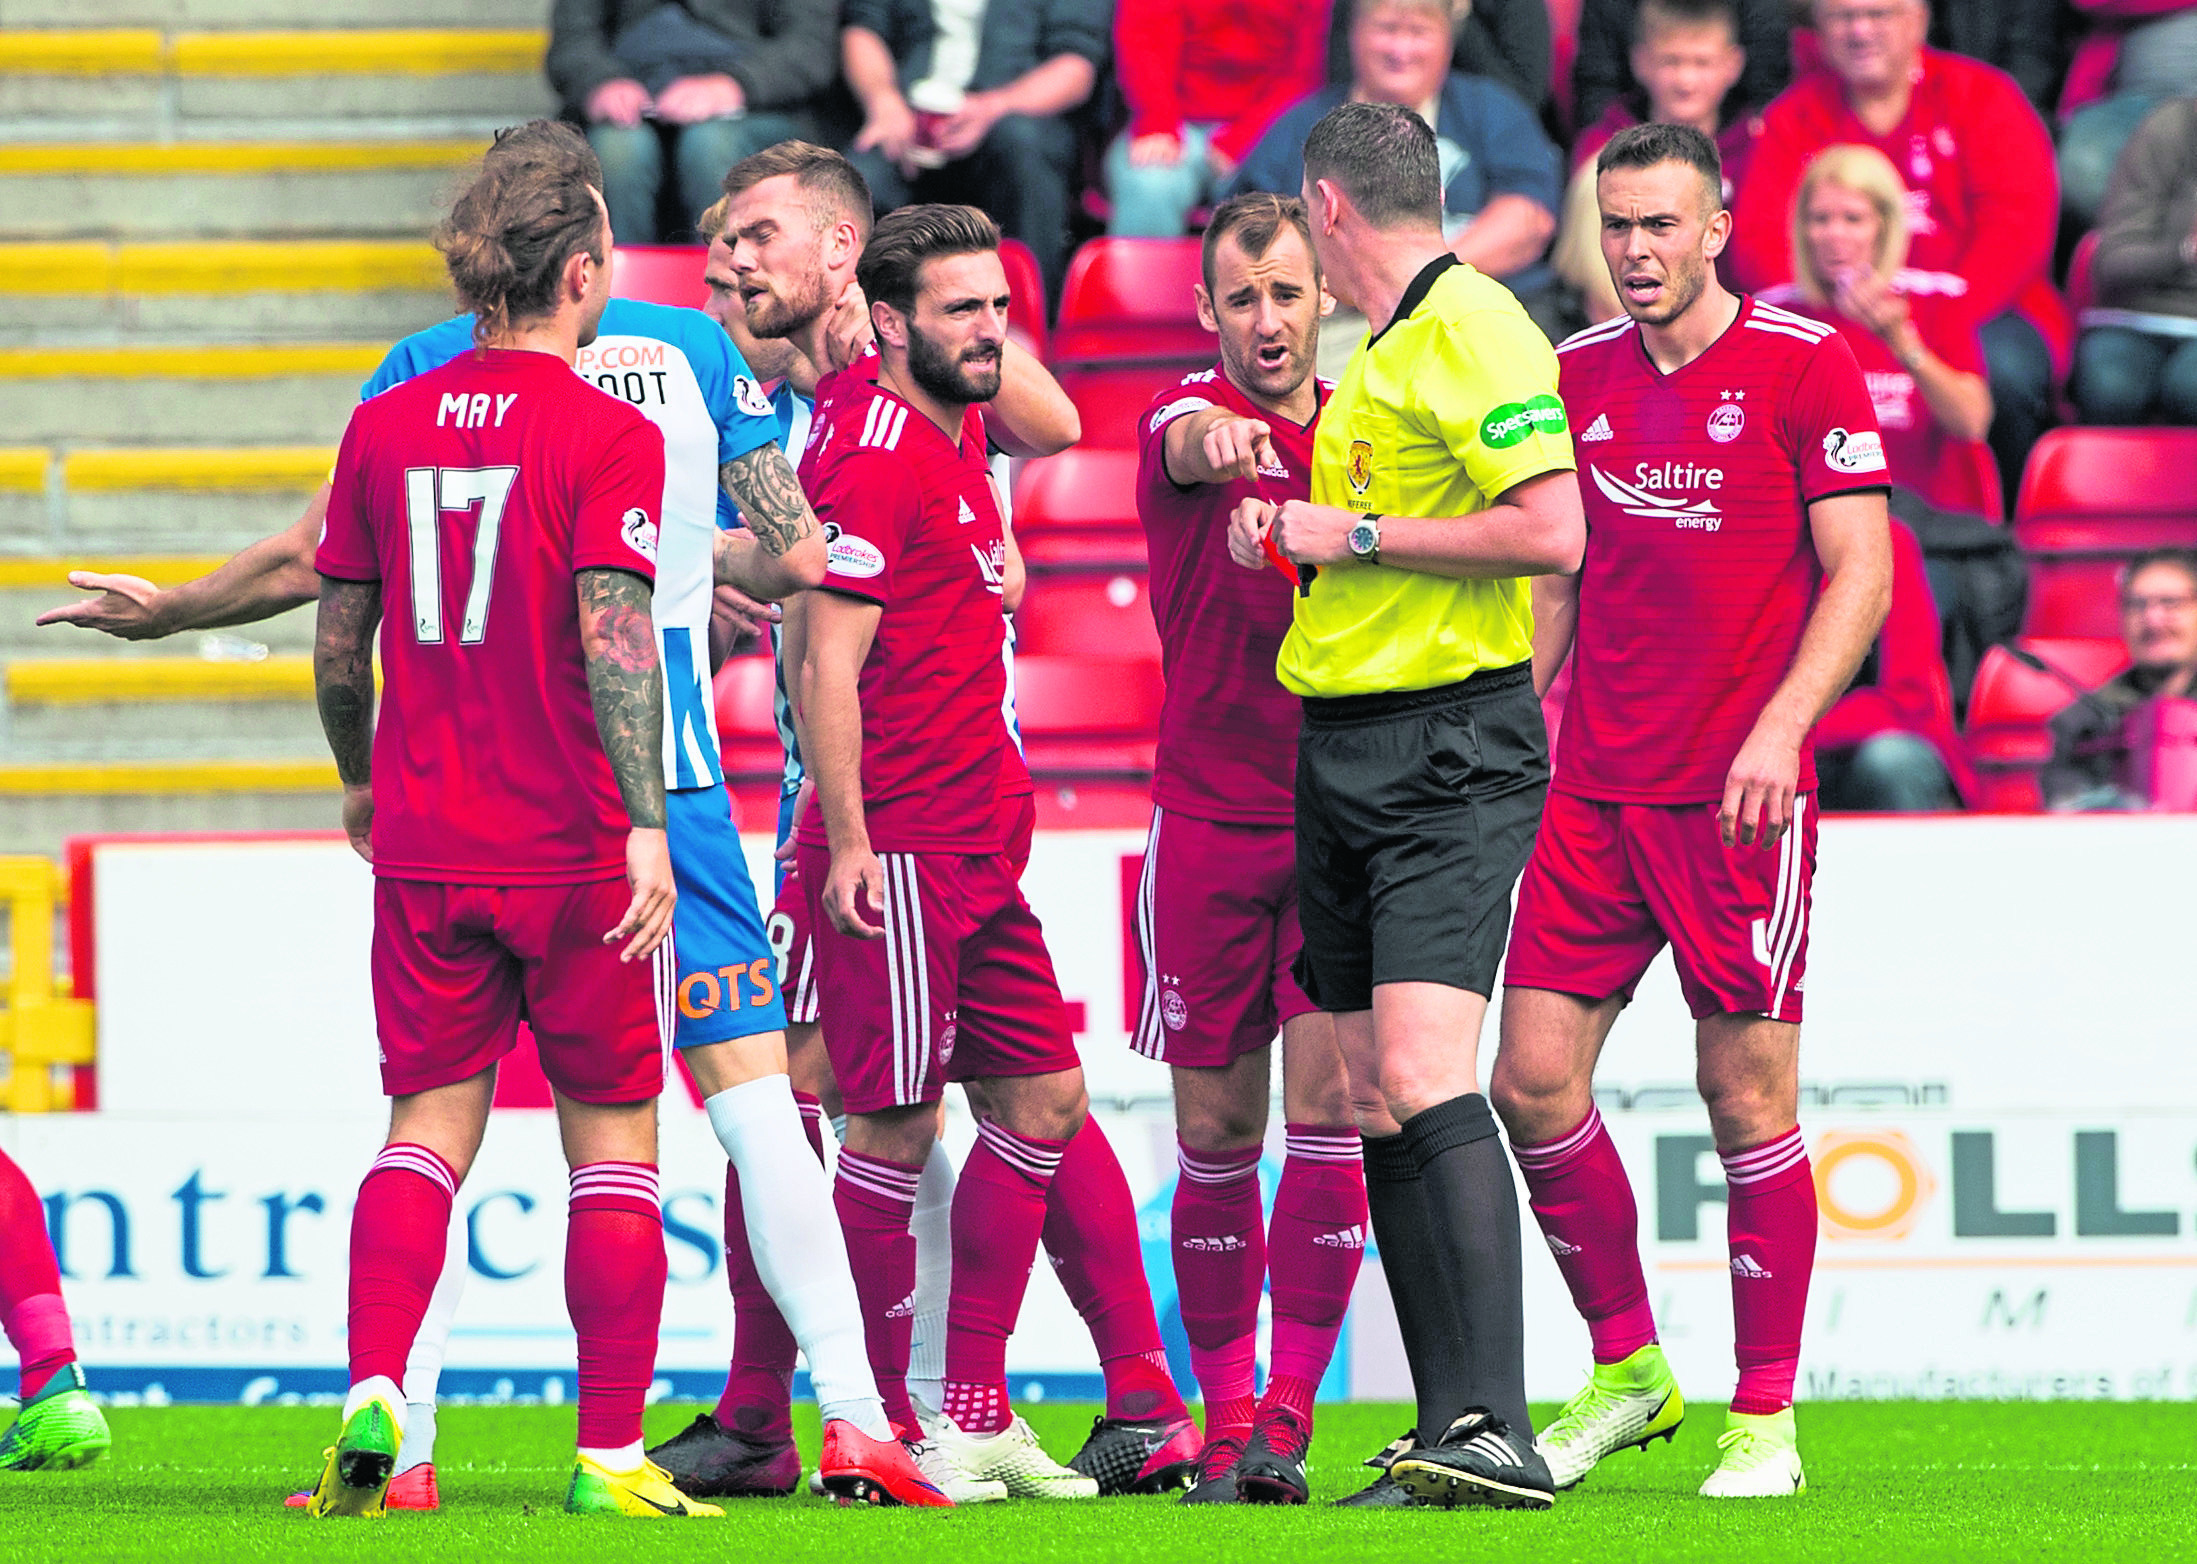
x=1130 y=300
x=2012 y=703
x=2090 y=499
x=1079 y=508
x=659 y=274
x=1026 y=315
x=2082 y=287
x=1086 y=613
x=1088 y=716
x=747 y=719
x=1112 y=397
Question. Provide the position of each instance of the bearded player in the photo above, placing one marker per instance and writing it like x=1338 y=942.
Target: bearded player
x=795 y=226
x=1216 y=912
x=1738 y=567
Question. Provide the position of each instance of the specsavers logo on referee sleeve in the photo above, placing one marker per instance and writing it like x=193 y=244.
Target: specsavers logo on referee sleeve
x=1513 y=422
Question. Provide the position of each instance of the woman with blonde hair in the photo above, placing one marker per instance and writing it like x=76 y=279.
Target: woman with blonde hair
x=1913 y=332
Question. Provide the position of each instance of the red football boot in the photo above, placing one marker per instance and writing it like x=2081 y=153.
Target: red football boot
x=856 y=1469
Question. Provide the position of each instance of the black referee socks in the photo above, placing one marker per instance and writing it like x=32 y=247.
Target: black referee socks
x=1426 y=1312
x=1472 y=1253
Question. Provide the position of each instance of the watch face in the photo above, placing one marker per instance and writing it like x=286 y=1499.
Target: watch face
x=1363 y=538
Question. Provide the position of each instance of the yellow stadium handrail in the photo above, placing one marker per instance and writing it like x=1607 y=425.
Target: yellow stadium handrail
x=42 y=1025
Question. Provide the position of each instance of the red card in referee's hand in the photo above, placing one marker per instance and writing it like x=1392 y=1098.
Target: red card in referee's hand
x=1266 y=542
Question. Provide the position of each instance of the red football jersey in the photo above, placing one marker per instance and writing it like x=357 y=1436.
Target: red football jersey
x=473 y=493
x=912 y=524
x=1700 y=570
x=1919 y=452
x=1228 y=730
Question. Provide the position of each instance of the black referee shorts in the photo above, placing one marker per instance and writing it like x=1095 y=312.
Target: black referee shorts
x=1415 y=815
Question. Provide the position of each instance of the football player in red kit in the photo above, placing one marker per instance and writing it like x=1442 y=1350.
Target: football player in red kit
x=511 y=801
x=1216 y=912
x=1738 y=567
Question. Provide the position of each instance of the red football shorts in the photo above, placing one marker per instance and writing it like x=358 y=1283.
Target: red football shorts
x=787 y=929
x=1610 y=884
x=456 y=966
x=1216 y=921
x=960 y=988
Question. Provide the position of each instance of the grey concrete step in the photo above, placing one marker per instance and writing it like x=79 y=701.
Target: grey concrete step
x=297 y=409
x=375 y=315
x=139 y=523
x=273 y=13
x=41 y=822
x=161 y=730
x=349 y=203
x=51 y=108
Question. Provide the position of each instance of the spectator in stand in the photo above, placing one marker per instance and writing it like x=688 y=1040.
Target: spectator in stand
x=967 y=100
x=2154 y=58
x=2024 y=38
x=1686 y=64
x=1982 y=198
x=1608 y=73
x=1506 y=40
x=1203 y=79
x=1888 y=745
x=1911 y=331
x=712 y=80
x=2090 y=745
x=2137 y=360
x=1501 y=179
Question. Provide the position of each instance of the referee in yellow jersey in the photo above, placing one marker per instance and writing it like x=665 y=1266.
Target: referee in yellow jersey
x=1442 y=479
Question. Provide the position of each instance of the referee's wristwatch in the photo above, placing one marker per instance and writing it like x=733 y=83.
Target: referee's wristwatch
x=1364 y=539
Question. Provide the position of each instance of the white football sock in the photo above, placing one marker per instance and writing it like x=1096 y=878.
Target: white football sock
x=423 y=1367
x=625 y=1458
x=800 y=1253
x=933 y=1226
x=367 y=1389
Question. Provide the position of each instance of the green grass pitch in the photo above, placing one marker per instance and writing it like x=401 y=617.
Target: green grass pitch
x=1888 y=1481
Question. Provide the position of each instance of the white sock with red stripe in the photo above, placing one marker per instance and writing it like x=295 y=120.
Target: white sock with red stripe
x=933 y=1226
x=800 y=1253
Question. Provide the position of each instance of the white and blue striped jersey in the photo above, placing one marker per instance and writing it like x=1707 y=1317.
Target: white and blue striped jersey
x=682 y=372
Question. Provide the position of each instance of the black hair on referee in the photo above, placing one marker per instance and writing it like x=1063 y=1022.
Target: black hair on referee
x=1382 y=156
x=528 y=209
x=1644 y=146
x=902 y=241
x=1256 y=218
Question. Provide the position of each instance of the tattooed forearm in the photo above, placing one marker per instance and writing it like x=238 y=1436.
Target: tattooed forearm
x=762 y=484
x=618 y=640
x=343 y=673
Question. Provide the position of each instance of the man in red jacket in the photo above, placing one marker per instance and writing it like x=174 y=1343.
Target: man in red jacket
x=1982 y=192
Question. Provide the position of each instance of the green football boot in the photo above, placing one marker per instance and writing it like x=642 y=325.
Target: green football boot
x=58 y=1430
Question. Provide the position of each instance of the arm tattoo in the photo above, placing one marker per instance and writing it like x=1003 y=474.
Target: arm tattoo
x=762 y=484
x=343 y=673
x=618 y=639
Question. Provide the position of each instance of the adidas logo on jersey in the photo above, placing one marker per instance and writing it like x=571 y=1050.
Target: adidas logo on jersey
x=1352 y=1237
x=1748 y=1266
x=1599 y=430
x=1275 y=470
x=903 y=1310
x=1226 y=1243
x=1559 y=1248
x=967 y=515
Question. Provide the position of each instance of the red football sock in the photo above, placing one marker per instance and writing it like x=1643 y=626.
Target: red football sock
x=1584 y=1203
x=31 y=1310
x=1771 y=1222
x=875 y=1199
x=1315 y=1241
x=758 y=1394
x=400 y=1230
x=1220 y=1265
x=1091 y=1233
x=999 y=1215
x=614 y=1291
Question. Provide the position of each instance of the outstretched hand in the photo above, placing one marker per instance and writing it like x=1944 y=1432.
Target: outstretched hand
x=124 y=606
